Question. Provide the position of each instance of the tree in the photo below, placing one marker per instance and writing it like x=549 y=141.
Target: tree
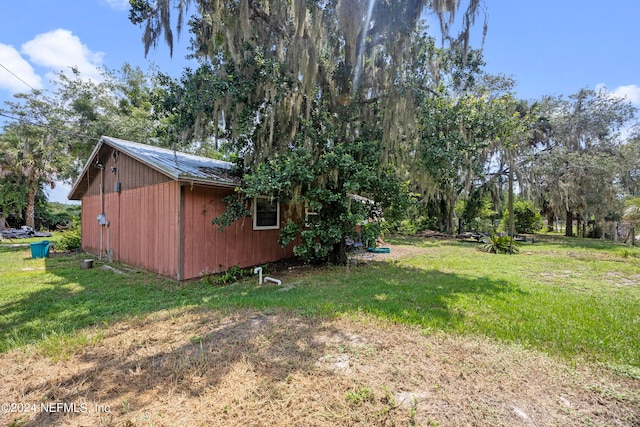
x=577 y=171
x=313 y=96
x=629 y=166
x=632 y=211
x=31 y=147
x=118 y=106
x=459 y=134
x=526 y=217
x=12 y=196
x=51 y=135
x=632 y=216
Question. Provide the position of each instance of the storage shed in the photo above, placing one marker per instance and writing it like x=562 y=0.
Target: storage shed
x=152 y=208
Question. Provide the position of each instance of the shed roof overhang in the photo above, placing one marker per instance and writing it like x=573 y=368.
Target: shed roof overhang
x=182 y=167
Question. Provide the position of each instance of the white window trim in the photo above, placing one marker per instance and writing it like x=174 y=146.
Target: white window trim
x=307 y=214
x=255 y=216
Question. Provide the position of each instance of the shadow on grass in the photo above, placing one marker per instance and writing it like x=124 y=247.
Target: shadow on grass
x=389 y=291
x=150 y=373
x=159 y=355
x=62 y=298
x=67 y=298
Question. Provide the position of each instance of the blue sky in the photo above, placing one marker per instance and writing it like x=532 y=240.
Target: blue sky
x=549 y=47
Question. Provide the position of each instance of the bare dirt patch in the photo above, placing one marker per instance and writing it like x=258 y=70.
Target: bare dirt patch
x=395 y=252
x=203 y=368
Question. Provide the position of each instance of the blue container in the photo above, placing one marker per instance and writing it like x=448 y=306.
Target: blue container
x=379 y=250
x=40 y=249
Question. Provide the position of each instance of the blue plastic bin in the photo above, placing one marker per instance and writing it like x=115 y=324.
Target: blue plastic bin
x=40 y=249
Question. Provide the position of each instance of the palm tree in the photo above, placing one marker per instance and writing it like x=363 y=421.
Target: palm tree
x=632 y=215
x=29 y=147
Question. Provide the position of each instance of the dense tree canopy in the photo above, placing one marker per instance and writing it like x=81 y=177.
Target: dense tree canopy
x=337 y=109
x=580 y=169
x=331 y=87
x=48 y=136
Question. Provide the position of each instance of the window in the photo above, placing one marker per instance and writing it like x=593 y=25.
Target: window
x=310 y=217
x=266 y=214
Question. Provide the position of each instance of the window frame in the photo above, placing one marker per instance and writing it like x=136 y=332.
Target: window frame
x=307 y=214
x=276 y=226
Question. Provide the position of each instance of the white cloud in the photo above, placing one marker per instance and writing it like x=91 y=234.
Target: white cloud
x=118 y=4
x=12 y=60
x=59 y=50
x=629 y=92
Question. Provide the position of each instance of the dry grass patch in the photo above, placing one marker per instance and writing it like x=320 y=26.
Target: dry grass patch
x=204 y=368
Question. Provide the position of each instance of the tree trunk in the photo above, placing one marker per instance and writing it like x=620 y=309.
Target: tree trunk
x=30 y=210
x=568 y=230
x=338 y=255
x=512 y=221
x=551 y=219
x=579 y=224
x=450 y=215
x=442 y=216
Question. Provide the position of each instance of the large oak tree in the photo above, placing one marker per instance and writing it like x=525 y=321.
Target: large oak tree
x=315 y=97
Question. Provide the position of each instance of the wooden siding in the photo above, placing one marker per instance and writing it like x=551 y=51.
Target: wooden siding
x=207 y=250
x=90 y=227
x=161 y=226
x=128 y=171
x=142 y=230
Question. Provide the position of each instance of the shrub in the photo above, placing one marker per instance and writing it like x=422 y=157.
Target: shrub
x=497 y=244
x=72 y=238
x=233 y=274
x=527 y=219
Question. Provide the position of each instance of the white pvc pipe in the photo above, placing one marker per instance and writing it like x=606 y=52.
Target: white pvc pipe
x=258 y=270
x=271 y=279
x=101 y=207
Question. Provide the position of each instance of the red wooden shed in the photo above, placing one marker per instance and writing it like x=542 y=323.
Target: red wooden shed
x=152 y=208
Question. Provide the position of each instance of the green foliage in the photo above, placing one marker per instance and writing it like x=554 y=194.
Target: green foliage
x=418 y=217
x=233 y=274
x=497 y=244
x=57 y=131
x=329 y=184
x=476 y=211
x=51 y=215
x=370 y=233
x=526 y=216
x=407 y=227
x=361 y=395
x=589 y=165
x=71 y=239
x=458 y=134
x=236 y=208
x=632 y=211
x=13 y=195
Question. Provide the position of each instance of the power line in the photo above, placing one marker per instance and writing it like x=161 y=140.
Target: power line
x=49 y=127
x=38 y=124
x=18 y=77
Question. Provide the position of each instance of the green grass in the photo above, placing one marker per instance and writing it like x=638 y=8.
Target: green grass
x=575 y=298
x=54 y=238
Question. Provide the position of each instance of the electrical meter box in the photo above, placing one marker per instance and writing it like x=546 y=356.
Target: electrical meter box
x=102 y=219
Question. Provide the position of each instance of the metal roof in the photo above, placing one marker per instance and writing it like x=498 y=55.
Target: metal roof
x=174 y=164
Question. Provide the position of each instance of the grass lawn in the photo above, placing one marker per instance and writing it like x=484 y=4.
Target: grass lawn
x=579 y=299
x=434 y=333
